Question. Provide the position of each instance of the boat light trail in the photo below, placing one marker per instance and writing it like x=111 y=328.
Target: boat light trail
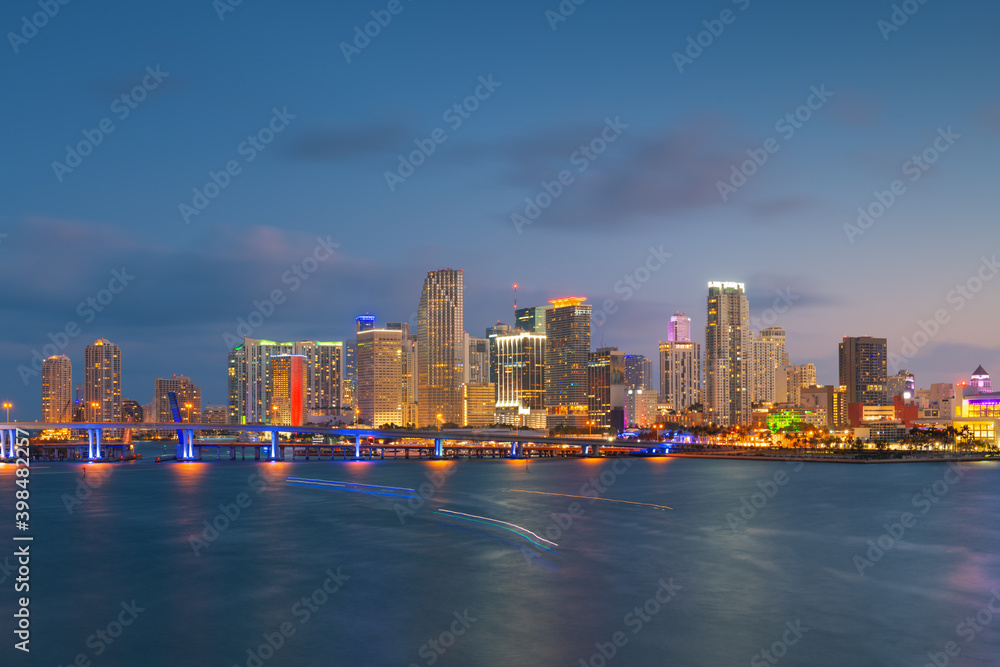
x=514 y=528
x=370 y=489
x=607 y=500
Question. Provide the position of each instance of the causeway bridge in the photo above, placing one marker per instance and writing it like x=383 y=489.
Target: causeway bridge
x=363 y=442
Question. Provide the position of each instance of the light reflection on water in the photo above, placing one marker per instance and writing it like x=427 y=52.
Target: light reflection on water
x=135 y=537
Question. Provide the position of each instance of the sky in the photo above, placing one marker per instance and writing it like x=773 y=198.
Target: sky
x=177 y=163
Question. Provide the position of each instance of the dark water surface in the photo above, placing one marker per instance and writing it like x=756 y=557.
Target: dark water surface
x=686 y=586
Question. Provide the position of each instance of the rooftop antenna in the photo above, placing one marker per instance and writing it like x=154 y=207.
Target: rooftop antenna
x=515 y=307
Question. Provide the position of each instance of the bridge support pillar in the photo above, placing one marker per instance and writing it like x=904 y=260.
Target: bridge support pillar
x=3 y=444
x=272 y=455
x=357 y=445
x=514 y=453
x=438 y=447
x=189 y=443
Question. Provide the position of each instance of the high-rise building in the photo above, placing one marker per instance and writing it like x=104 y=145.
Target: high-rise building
x=640 y=407
x=477 y=360
x=567 y=361
x=680 y=374
x=286 y=389
x=478 y=404
x=102 y=384
x=440 y=355
x=727 y=350
x=797 y=377
x=980 y=380
x=863 y=370
x=828 y=401
x=520 y=369
x=408 y=372
x=638 y=372
x=57 y=389
x=767 y=359
x=188 y=399
x=902 y=384
x=323 y=381
x=364 y=323
x=498 y=329
x=679 y=328
x=531 y=319
x=380 y=377
x=606 y=382
x=349 y=377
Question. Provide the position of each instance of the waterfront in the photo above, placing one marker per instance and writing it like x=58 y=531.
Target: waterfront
x=746 y=550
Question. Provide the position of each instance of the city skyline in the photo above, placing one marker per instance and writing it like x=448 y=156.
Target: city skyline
x=120 y=260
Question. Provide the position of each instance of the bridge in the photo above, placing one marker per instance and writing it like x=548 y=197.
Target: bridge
x=189 y=448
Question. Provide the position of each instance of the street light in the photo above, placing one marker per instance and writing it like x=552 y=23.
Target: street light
x=440 y=418
x=188 y=406
x=93 y=406
x=7 y=405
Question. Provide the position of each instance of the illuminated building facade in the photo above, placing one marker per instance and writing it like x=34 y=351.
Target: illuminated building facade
x=567 y=361
x=286 y=389
x=323 y=381
x=679 y=328
x=638 y=372
x=727 y=352
x=440 y=355
x=188 y=399
x=476 y=368
x=102 y=386
x=531 y=319
x=380 y=377
x=680 y=374
x=606 y=388
x=767 y=361
x=478 y=404
x=863 y=370
x=902 y=384
x=640 y=407
x=520 y=371
x=796 y=378
x=57 y=389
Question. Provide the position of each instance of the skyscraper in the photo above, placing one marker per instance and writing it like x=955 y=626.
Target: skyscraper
x=903 y=384
x=498 y=329
x=57 y=389
x=638 y=372
x=531 y=319
x=349 y=377
x=364 y=323
x=408 y=372
x=680 y=374
x=380 y=376
x=286 y=389
x=520 y=369
x=606 y=388
x=863 y=370
x=323 y=382
x=248 y=381
x=679 y=328
x=796 y=379
x=767 y=360
x=440 y=355
x=188 y=399
x=567 y=360
x=102 y=384
x=727 y=350
x=476 y=369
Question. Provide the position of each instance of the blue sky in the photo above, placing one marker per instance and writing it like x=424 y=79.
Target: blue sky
x=345 y=124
